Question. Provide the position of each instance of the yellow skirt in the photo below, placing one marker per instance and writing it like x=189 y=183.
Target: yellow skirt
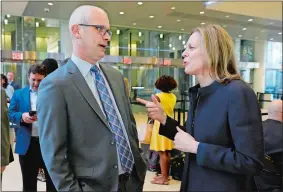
x=159 y=142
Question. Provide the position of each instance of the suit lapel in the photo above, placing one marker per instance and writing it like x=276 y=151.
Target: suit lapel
x=117 y=91
x=82 y=86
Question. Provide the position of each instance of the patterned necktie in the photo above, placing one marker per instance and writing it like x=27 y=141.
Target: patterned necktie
x=125 y=155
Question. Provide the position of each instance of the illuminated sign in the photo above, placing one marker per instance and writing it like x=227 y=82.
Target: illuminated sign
x=17 y=55
x=127 y=60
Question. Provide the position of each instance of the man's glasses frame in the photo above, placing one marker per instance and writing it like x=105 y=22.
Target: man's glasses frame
x=101 y=29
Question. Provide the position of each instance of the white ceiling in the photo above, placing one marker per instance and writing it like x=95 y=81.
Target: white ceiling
x=262 y=26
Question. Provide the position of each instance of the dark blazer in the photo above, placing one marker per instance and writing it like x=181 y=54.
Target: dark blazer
x=75 y=138
x=228 y=126
x=19 y=104
x=15 y=85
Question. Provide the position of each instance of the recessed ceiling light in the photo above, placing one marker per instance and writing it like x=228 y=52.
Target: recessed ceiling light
x=224 y=26
x=271 y=39
x=50 y=4
x=227 y=16
x=8 y=16
x=180 y=37
x=173 y=7
x=140 y=3
x=6 y=21
x=159 y=26
x=122 y=13
x=118 y=31
x=280 y=33
x=36 y=24
x=140 y=34
x=184 y=42
x=42 y=19
x=250 y=19
x=161 y=36
x=239 y=35
x=262 y=31
x=170 y=45
x=201 y=12
x=178 y=20
x=202 y=23
x=244 y=29
x=256 y=37
x=173 y=48
x=185 y=46
x=151 y=16
x=134 y=24
x=182 y=29
x=271 y=23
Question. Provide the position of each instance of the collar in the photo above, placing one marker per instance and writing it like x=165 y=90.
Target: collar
x=31 y=90
x=83 y=65
x=205 y=90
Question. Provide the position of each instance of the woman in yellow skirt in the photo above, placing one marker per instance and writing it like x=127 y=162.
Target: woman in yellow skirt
x=160 y=143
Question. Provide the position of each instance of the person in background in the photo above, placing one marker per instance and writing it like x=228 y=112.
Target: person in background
x=22 y=111
x=50 y=64
x=222 y=137
x=11 y=80
x=6 y=150
x=88 y=134
x=8 y=88
x=158 y=142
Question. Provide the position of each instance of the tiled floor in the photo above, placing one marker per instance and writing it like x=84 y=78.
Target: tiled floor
x=12 y=178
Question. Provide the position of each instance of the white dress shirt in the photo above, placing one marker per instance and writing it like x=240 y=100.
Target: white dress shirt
x=33 y=99
x=84 y=67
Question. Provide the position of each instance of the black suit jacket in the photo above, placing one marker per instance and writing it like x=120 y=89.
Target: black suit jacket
x=228 y=126
x=272 y=131
x=15 y=85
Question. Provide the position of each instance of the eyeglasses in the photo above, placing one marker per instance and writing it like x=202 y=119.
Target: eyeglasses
x=101 y=29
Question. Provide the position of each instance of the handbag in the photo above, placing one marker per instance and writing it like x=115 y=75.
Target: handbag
x=145 y=132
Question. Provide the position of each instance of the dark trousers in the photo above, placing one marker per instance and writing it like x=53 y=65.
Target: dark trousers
x=30 y=163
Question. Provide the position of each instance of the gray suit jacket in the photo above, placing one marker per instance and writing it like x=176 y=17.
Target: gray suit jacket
x=75 y=138
x=5 y=131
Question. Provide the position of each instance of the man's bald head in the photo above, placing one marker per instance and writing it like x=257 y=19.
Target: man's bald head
x=83 y=14
x=275 y=110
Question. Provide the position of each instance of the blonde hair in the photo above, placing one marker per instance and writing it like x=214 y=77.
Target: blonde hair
x=219 y=52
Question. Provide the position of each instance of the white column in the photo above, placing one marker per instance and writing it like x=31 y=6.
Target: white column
x=66 y=42
x=259 y=73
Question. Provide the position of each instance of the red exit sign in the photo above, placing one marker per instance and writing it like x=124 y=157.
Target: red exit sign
x=17 y=55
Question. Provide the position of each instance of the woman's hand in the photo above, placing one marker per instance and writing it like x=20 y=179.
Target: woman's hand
x=154 y=109
x=185 y=142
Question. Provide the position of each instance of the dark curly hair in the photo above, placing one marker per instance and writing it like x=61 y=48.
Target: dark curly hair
x=37 y=69
x=5 y=81
x=165 y=83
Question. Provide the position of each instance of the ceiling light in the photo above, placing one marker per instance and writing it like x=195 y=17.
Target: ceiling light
x=256 y=37
x=161 y=36
x=159 y=26
x=170 y=45
x=271 y=39
x=271 y=23
x=244 y=29
x=184 y=42
x=134 y=24
x=178 y=20
x=2 y=30
x=173 y=7
x=185 y=46
x=202 y=23
x=262 y=31
x=173 y=48
x=122 y=13
x=227 y=16
x=140 y=34
x=118 y=31
x=201 y=12
x=280 y=33
x=139 y=3
x=6 y=21
x=42 y=19
x=239 y=35
x=180 y=37
x=151 y=16
x=182 y=29
x=209 y=2
x=224 y=26
x=50 y=4
x=36 y=24
x=8 y=16
x=250 y=19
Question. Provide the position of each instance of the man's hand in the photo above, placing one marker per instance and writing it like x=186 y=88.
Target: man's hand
x=154 y=109
x=3 y=169
x=29 y=119
x=185 y=142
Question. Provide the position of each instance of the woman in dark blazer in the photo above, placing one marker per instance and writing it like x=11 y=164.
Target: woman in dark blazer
x=223 y=137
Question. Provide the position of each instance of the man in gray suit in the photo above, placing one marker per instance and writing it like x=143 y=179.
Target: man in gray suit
x=87 y=132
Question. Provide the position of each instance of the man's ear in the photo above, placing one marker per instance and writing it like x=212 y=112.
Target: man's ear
x=76 y=31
